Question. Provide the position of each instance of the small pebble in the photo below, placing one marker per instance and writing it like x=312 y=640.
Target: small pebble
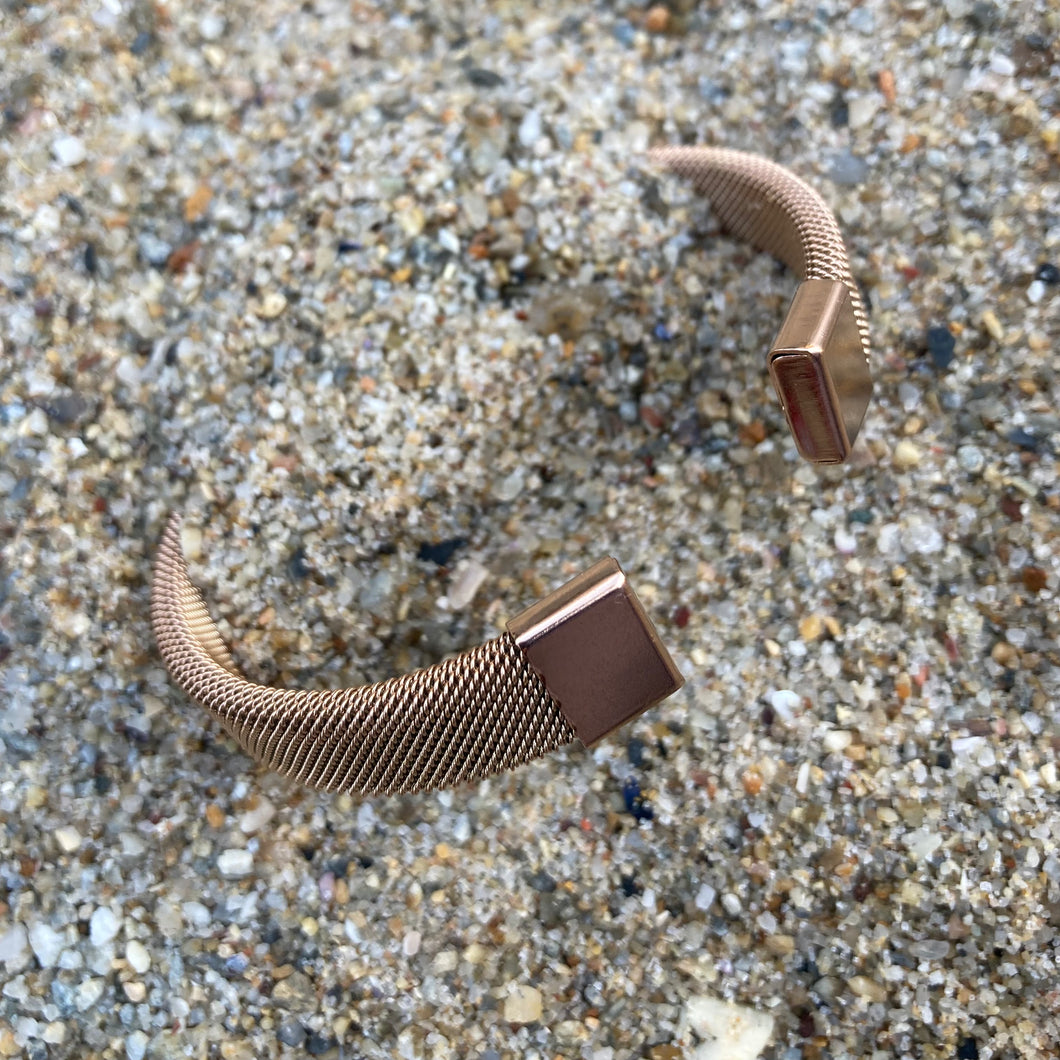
x=1048 y=273
x=941 y=346
x=47 y=944
x=272 y=305
x=728 y=1031
x=906 y=455
x=235 y=862
x=69 y=151
x=847 y=169
x=705 y=897
x=523 y=1005
x=103 y=926
x=136 y=1045
x=291 y=1032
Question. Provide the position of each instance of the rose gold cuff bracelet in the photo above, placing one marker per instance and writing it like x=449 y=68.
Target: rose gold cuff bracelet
x=586 y=659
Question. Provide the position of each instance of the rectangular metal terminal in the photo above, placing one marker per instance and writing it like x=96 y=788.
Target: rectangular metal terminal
x=597 y=651
x=820 y=373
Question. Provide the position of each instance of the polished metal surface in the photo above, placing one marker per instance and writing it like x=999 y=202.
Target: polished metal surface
x=595 y=647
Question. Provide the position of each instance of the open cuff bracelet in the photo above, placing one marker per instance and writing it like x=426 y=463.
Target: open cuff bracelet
x=586 y=659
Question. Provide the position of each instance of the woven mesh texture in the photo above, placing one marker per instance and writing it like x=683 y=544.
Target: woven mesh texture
x=772 y=209
x=471 y=716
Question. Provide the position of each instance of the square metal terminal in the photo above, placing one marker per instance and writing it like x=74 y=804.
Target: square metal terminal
x=597 y=651
x=820 y=372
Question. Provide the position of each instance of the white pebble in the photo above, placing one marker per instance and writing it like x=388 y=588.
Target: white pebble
x=845 y=542
x=466 y=582
x=68 y=838
x=862 y=110
x=35 y=424
x=802 y=781
x=272 y=305
x=196 y=914
x=47 y=944
x=256 y=819
x=277 y=411
x=922 y=843
x=837 y=740
x=971 y=458
x=211 y=26
x=448 y=240
x=88 y=993
x=1002 y=65
x=235 y=862
x=191 y=542
x=784 y=703
x=730 y=1032
x=14 y=948
x=136 y=1045
x=69 y=151
x=906 y=455
x=530 y=128
x=731 y=904
x=411 y=944
x=767 y=922
x=523 y=1005
x=920 y=535
x=705 y=897
x=1036 y=292
x=54 y=1033
x=138 y=957
x=103 y=926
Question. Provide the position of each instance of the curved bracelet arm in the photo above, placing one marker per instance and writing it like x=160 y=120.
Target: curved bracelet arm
x=586 y=659
x=479 y=713
x=819 y=360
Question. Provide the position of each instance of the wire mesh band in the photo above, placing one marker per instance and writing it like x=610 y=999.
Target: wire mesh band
x=766 y=205
x=485 y=710
x=468 y=717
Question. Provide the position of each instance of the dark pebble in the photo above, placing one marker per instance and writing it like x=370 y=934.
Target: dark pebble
x=237 y=964
x=553 y=910
x=327 y=98
x=840 y=113
x=439 y=552
x=1024 y=439
x=635 y=752
x=943 y=760
x=1048 y=273
x=541 y=881
x=968 y=1050
x=318 y=1045
x=984 y=15
x=291 y=1032
x=940 y=346
x=629 y=885
x=861 y=515
x=141 y=43
x=662 y=332
x=635 y=802
x=348 y=246
x=481 y=78
x=91 y=259
x=297 y=567
x=66 y=409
